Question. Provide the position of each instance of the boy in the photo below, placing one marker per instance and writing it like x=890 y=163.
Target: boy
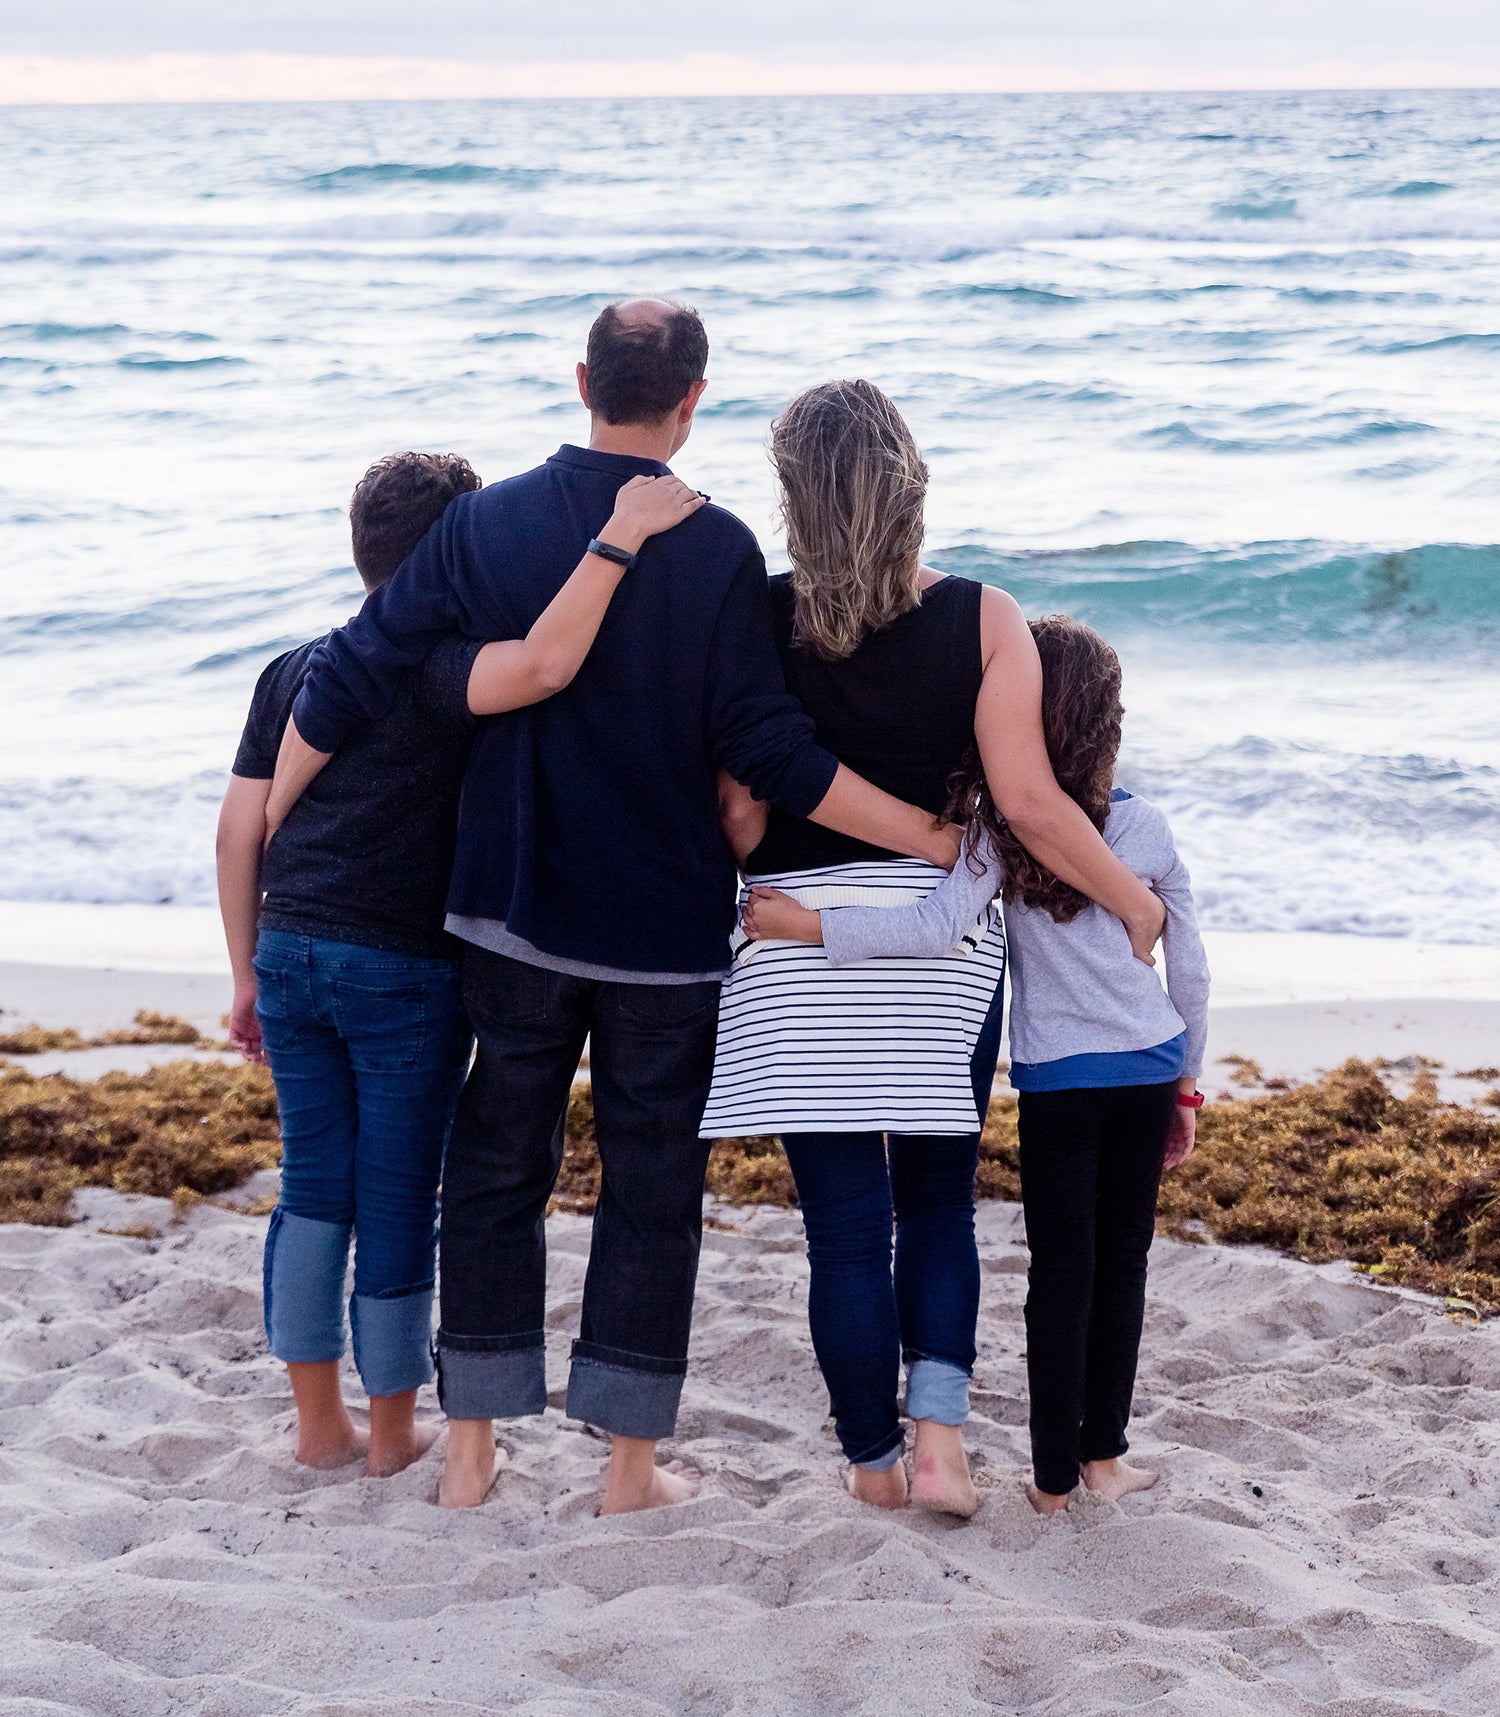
x=345 y=979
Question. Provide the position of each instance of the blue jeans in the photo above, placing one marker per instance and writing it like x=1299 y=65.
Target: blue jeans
x=367 y=1049
x=868 y=1314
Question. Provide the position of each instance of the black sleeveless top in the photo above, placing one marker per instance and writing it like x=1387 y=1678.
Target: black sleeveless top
x=899 y=711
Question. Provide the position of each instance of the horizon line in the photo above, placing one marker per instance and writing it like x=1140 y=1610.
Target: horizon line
x=273 y=78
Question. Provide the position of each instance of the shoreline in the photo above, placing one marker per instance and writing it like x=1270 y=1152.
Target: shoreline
x=1296 y=1003
x=1290 y=1040
x=1249 y=966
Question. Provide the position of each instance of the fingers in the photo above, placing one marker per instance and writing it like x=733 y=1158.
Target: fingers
x=669 y=493
x=672 y=490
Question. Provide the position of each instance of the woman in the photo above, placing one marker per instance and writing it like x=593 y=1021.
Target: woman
x=1106 y=1061
x=877 y=1076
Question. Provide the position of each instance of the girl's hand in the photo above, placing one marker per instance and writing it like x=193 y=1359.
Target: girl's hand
x=1181 y=1137
x=646 y=506
x=771 y=916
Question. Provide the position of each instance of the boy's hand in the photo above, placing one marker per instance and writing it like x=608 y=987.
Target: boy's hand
x=244 y=1026
x=646 y=506
x=742 y=817
x=1181 y=1137
x=771 y=916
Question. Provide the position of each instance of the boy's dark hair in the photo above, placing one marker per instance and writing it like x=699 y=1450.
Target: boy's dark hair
x=395 y=503
x=641 y=369
x=1081 y=716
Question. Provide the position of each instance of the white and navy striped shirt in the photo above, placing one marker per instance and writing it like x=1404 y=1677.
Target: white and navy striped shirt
x=883 y=1046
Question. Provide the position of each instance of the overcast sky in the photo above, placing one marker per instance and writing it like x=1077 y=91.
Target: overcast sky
x=1136 y=43
x=566 y=29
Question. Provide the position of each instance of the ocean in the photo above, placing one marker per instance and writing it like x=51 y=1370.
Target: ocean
x=1220 y=374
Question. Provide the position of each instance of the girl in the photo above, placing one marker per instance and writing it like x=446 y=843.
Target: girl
x=1105 y=1060
x=877 y=1078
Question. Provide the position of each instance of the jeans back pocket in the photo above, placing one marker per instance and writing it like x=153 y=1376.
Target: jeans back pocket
x=272 y=993
x=384 y=1026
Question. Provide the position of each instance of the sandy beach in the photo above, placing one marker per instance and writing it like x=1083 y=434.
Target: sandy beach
x=1324 y=1542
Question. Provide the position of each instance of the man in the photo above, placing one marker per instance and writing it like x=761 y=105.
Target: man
x=595 y=892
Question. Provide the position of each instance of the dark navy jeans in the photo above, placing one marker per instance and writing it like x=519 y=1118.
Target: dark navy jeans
x=868 y=1312
x=367 y=1049
x=651 y=1058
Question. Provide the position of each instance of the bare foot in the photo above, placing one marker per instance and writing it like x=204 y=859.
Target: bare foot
x=663 y=1486
x=1045 y=1502
x=470 y=1464
x=880 y=1490
x=327 y=1446
x=940 y=1471
x=394 y=1455
x=326 y=1435
x=396 y=1439
x=1114 y=1479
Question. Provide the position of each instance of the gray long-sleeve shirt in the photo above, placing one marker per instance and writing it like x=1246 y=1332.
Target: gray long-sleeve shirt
x=1076 y=988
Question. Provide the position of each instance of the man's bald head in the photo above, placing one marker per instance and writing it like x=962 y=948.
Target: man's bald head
x=644 y=357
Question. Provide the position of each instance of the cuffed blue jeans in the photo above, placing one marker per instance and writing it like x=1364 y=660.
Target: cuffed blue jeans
x=651 y=1059
x=872 y=1307
x=367 y=1049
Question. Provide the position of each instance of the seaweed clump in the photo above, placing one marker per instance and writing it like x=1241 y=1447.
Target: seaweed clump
x=184 y=1130
x=1406 y=1188
x=149 y=1027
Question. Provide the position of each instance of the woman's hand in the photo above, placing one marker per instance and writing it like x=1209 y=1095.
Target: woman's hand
x=771 y=916
x=244 y=1025
x=1145 y=931
x=647 y=506
x=1181 y=1136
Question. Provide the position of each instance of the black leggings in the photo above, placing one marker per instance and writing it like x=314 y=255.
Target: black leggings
x=1090 y=1168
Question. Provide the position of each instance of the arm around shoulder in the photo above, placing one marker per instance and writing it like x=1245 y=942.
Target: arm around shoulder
x=1013 y=747
x=514 y=672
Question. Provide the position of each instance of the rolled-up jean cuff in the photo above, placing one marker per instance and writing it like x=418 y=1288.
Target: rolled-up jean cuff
x=884 y=1463
x=937 y=1390
x=392 y=1341
x=304 y=1288
x=628 y=1395
x=489 y=1382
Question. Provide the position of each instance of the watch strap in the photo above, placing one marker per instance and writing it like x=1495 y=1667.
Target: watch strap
x=1190 y=1100
x=608 y=551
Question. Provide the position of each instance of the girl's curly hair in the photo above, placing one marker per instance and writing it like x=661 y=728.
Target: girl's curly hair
x=1081 y=716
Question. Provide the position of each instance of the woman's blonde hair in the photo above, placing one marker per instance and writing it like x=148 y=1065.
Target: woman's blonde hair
x=853 y=484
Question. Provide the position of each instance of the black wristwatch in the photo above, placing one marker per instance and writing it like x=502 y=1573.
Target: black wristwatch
x=608 y=551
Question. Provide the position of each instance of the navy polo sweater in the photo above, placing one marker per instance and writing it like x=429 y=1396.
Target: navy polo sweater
x=589 y=822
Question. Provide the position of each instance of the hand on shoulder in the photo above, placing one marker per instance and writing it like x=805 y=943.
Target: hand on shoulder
x=646 y=506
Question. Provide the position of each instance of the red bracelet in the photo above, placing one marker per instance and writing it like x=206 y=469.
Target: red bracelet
x=1185 y=1100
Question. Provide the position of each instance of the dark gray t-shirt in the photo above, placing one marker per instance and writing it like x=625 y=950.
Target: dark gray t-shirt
x=366 y=854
